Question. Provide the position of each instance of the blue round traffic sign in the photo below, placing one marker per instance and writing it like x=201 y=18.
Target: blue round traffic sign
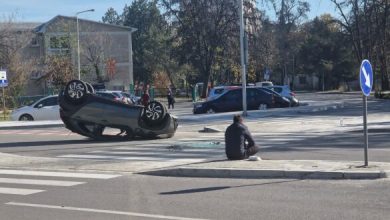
x=366 y=77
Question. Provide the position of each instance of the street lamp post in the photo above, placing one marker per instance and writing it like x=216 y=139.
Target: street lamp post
x=78 y=38
x=243 y=74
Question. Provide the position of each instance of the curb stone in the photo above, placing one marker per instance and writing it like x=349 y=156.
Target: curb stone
x=275 y=174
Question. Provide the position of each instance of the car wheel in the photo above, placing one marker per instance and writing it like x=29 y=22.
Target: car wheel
x=26 y=117
x=154 y=112
x=263 y=106
x=90 y=88
x=75 y=91
x=210 y=111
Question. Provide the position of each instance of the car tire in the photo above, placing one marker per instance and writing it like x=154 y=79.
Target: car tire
x=26 y=117
x=75 y=91
x=154 y=112
x=210 y=111
x=90 y=88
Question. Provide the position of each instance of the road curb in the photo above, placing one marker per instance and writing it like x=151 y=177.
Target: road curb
x=30 y=126
x=273 y=174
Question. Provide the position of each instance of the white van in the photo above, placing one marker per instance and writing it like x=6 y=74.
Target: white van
x=264 y=84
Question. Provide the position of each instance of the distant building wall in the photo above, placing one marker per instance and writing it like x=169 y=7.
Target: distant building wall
x=97 y=41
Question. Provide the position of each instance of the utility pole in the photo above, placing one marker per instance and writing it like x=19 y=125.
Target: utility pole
x=243 y=68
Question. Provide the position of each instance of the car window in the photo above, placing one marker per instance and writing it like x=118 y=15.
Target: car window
x=106 y=95
x=48 y=102
x=234 y=95
x=52 y=101
x=278 y=89
x=126 y=95
x=218 y=91
x=116 y=94
x=251 y=93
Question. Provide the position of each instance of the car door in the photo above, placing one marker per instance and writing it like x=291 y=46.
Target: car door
x=252 y=98
x=47 y=109
x=230 y=101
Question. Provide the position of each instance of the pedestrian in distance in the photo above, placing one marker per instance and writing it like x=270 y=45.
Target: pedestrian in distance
x=145 y=98
x=171 y=99
x=239 y=143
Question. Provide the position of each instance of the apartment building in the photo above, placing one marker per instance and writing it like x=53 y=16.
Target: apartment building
x=105 y=47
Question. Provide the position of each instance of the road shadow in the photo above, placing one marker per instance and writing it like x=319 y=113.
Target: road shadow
x=215 y=188
x=45 y=143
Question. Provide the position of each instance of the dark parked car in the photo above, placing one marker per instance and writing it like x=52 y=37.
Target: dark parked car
x=88 y=114
x=278 y=98
x=232 y=101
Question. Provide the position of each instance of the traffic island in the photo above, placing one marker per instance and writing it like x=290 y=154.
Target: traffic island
x=275 y=169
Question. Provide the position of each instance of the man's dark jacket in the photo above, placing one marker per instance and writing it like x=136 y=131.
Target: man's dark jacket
x=235 y=137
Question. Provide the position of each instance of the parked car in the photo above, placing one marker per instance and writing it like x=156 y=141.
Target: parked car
x=88 y=114
x=112 y=95
x=130 y=98
x=264 y=84
x=232 y=101
x=280 y=101
x=46 y=108
x=219 y=90
x=285 y=92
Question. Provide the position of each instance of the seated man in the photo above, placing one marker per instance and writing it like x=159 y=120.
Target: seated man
x=236 y=136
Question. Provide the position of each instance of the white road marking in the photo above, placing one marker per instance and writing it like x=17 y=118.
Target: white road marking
x=104 y=157
x=58 y=174
x=39 y=182
x=16 y=191
x=135 y=158
x=69 y=208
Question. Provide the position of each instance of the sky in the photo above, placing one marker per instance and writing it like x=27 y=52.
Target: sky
x=44 y=10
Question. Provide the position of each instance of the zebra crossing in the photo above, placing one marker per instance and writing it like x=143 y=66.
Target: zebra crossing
x=162 y=152
x=27 y=182
x=194 y=149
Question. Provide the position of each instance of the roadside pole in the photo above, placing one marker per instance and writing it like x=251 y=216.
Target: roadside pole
x=3 y=83
x=366 y=78
x=4 y=103
x=243 y=75
x=365 y=130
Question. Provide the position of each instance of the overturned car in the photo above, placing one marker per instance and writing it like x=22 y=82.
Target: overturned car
x=88 y=114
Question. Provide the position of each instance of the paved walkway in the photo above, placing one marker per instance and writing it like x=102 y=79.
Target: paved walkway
x=299 y=169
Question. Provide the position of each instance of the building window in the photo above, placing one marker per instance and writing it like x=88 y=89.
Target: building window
x=302 y=80
x=34 y=42
x=36 y=75
x=59 y=43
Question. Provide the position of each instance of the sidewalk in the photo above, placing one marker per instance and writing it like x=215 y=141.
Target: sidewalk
x=295 y=169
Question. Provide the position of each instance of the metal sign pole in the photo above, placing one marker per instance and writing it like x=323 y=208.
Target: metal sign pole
x=365 y=130
x=4 y=103
x=242 y=51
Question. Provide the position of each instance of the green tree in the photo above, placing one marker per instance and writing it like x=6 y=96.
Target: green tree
x=112 y=17
x=149 y=39
x=205 y=30
x=290 y=14
x=326 y=52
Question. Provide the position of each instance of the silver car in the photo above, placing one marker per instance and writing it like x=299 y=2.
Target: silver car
x=46 y=108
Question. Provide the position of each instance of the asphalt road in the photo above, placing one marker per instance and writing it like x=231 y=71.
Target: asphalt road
x=145 y=197
x=325 y=135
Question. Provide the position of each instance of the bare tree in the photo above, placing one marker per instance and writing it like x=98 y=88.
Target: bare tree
x=94 y=52
x=13 y=40
x=58 y=71
x=367 y=24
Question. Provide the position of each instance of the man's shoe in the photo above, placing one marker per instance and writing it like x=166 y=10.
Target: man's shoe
x=254 y=158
